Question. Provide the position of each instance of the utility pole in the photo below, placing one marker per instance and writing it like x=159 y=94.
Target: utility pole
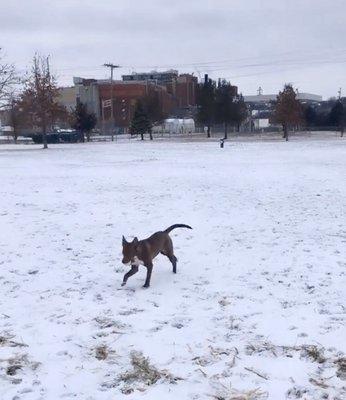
x=112 y=67
x=339 y=93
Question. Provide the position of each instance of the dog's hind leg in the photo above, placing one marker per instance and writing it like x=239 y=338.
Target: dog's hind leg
x=168 y=252
x=173 y=259
x=149 y=267
x=133 y=270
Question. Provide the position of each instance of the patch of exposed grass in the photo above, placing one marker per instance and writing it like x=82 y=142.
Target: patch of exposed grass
x=101 y=352
x=7 y=341
x=17 y=363
x=143 y=373
x=105 y=322
x=341 y=367
x=314 y=353
x=232 y=394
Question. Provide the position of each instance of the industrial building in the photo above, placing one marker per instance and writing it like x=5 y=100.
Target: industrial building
x=175 y=94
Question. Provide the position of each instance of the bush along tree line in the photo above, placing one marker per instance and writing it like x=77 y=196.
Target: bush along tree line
x=331 y=115
x=219 y=104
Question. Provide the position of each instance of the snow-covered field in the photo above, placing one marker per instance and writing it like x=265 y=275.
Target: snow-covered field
x=256 y=310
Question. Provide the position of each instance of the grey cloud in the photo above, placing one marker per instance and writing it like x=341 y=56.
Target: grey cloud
x=160 y=32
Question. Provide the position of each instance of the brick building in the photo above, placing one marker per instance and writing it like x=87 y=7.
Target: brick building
x=182 y=87
x=176 y=95
x=98 y=95
x=184 y=90
x=125 y=97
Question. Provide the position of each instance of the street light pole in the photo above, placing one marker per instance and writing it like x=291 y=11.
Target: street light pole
x=112 y=67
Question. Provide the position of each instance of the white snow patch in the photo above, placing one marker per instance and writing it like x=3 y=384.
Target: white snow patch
x=257 y=306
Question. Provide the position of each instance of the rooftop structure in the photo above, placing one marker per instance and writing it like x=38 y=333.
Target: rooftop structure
x=159 y=77
x=267 y=98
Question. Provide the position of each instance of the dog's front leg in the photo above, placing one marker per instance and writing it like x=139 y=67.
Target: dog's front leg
x=133 y=270
x=149 y=271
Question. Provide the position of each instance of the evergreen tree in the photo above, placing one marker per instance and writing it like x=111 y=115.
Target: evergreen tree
x=230 y=108
x=337 y=116
x=83 y=121
x=153 y=108
x=288 y=110
x=140 y=123
x=240 y=111
x=206 y=97
x=224 y=106
x=310 y=116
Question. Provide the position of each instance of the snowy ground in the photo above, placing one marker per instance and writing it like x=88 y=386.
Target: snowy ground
x=256 y=311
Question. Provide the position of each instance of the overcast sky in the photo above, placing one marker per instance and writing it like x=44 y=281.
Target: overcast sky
x=250 y=42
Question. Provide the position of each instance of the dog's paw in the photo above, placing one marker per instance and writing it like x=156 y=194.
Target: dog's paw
x=146 y=286
x=123 y=284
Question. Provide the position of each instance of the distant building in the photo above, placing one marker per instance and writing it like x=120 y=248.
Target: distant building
x=176 y=95
x=267 y=98
x=261 y=107
x=182 y=87
x=161 y=78
x=98 y=94
x=67 y=97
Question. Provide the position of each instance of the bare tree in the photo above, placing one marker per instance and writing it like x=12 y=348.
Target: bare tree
x=288 y=110
x=40 y=97
x=8 y=78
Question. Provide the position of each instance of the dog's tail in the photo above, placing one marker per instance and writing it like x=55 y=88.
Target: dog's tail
x=177 y=226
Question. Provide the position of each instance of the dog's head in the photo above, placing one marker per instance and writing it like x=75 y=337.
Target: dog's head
x=129 y=250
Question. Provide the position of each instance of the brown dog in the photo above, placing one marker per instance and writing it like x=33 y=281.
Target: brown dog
x=142 y=252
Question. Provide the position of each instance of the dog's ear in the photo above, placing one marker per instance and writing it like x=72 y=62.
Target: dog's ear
x=135 y=240
x=124 y=240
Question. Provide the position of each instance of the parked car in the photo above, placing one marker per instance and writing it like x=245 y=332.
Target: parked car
x=61 y=136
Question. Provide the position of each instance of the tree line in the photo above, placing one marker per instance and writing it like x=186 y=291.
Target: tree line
x=291 y=113
x=218 y=104
x=37 y=103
